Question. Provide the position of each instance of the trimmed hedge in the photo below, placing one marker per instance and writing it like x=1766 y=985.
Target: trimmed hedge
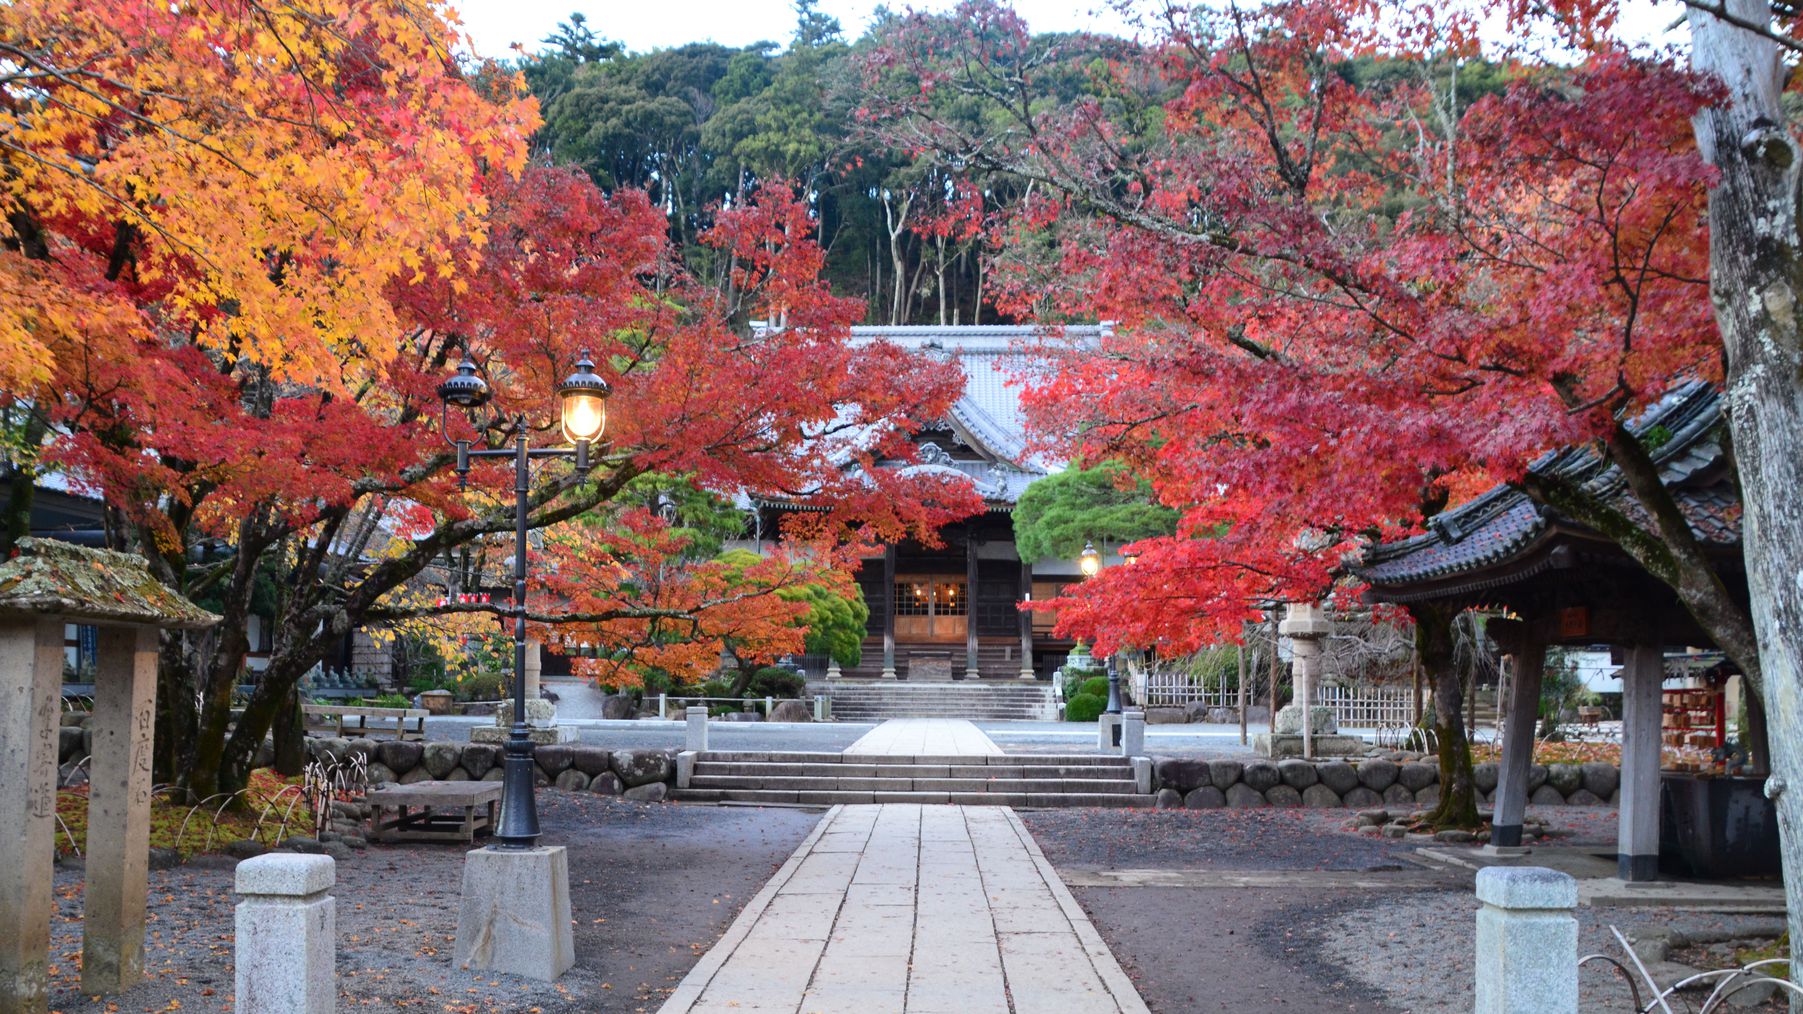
x=1097 y=685
x=1085 y=707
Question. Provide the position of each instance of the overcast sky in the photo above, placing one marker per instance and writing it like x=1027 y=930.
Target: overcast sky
x=652 y=24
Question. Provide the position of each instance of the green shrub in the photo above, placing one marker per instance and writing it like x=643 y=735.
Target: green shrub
x=1084 y=708
x=479 y=686
x=774 y=681
x=713 y=688
x=1075 y=678
x=391 y=701
x=1095 y=685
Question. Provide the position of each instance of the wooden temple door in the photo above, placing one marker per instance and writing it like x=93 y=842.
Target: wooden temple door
x=931 y=610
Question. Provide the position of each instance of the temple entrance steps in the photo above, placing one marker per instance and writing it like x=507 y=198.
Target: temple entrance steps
x=995 y=780
x=976 y=700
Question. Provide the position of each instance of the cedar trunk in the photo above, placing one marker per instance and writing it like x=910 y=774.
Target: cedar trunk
x=1756 y=272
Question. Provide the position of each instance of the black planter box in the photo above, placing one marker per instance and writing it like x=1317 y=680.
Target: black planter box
x=1717 y=828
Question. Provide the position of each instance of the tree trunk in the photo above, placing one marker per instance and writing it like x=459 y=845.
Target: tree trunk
x=177 y=717
x=1458 y=792
x=290 y=733
x=1754 y=279
x=22 y=486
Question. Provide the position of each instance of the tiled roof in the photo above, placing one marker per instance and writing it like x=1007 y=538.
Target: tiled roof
x=1504 y=525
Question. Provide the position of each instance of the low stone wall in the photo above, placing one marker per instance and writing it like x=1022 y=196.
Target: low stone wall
x=1366 y=784
x=635 y=774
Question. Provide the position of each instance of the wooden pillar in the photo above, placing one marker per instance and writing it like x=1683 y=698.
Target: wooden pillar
x=112 y=952
x=1026 y=623
x=888 y=612
x=1642 y=712
x=972 y=671
x=1276 y=664
x=31 y=673
x=1518 y=740
x=1240 y=654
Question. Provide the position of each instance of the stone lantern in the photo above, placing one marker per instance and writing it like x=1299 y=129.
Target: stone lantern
x=47 y=585
x=1303 y=730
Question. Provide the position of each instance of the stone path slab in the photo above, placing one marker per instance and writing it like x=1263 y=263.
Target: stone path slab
x=926 y=737
x=911 y=909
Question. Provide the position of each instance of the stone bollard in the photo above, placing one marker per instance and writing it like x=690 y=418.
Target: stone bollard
x=1527 y=941
x=697 y=729
x=285 y=925
x=1133 y=733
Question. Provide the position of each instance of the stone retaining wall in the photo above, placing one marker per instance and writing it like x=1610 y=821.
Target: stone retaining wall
x=1366 y=784
x=635 y=774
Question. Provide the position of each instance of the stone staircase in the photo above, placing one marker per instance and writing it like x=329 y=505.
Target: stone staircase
x=997 y=780
x=978 y=701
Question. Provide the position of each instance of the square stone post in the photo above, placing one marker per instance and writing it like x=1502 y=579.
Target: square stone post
x=31 y=672
x=112 y=951
x=515 y=916
x=1527 y=942
x=1133 y=733
x=1642 y=719
x=696 y=729
x=1518 y=742
x=286 y=935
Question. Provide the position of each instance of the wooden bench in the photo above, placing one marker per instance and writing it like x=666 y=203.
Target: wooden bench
x=405 y=723
x=432 y=811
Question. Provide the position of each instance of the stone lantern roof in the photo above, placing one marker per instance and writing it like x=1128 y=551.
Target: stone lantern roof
x=50 y=578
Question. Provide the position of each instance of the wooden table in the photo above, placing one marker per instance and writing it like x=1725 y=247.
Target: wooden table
x=432 y=811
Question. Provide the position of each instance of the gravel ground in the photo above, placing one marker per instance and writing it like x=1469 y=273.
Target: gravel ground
x=1416 y=949
x=652 y=887
x=1210 y=839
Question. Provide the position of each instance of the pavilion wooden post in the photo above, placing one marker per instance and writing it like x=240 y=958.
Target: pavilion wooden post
x=1642 y=713
x=1415 y=657
x=1027 y=671
x=888 y=612
x=112 y=951
x=31 y=670
x=1529 y=650
x=972 y=670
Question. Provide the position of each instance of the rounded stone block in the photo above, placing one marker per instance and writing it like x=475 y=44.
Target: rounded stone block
x=285 y=875
x=1601 y=780
x=440 y=758
x=1244 y=797
x=572 y=780
x=399 y=755
x=642 y=767
x=1399 y=794
x=1429 y=796
x=418 y=774
x=457 y=775
x=1338 y=776
x=1484 y=776
x=1168 y=799
x=1567 y=778
x=651 y=792
x=1526 y=887
x=478 y=758
x=1261 y=775
x=591 y=760
x=1204 y=797
x=553 y=760
x=1283 y=795
x=379 y=774
x=1298 y=774
x=1583 y=797
x=1182 y=773
x=1320 y=796
x=1536 y=776
x=606 y=783
x=1377 y=774
x=1362 y=798
x=1224 y=774
x=1546 y=795
x=1415 y=776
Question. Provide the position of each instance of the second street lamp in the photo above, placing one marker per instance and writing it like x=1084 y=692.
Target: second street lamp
x=1090 y=563
x=582 y=399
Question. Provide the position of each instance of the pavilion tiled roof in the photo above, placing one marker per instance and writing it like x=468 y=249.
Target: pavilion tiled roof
x=1503 y=525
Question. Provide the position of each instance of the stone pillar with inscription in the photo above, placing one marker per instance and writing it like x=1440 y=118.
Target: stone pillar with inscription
x=31 y=672
x=45 y=586
x=112 y=950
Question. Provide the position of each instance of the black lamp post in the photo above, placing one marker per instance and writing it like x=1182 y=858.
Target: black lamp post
x=583 y=413
x=1090 y=563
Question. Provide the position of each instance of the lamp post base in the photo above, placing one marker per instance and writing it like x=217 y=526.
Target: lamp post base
x=515 y=916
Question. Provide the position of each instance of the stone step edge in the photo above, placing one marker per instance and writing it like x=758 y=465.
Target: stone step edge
x=1030 y=799
x=1110 y=786
x=1078 y=772
x=935 y=760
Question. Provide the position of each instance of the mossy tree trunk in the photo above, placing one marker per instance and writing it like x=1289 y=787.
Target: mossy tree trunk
x=1458 y=791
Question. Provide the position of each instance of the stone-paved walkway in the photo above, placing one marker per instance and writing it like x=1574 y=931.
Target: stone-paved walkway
x=905 y=908
x=926 y=737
